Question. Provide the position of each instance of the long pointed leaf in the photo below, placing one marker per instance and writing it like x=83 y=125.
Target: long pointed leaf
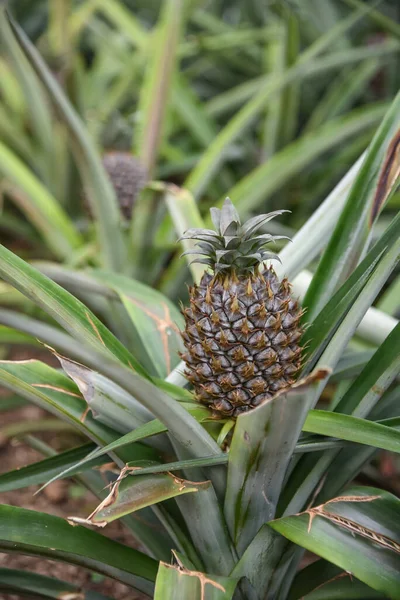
x=130 y=494
x=375 y=182
x=156 y=90
x=31 y=532
x=322 y=579
x=33 y=585
x=43 y=470
x=352 y=429
x=63 y=307
x=97 y=184
x=358 y=532
x=262 y=445
x=40 y=207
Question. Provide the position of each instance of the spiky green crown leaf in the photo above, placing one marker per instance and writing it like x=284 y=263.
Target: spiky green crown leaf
x=233 y=246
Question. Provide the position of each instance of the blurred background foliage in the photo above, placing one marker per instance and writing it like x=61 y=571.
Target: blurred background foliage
x=268 y=102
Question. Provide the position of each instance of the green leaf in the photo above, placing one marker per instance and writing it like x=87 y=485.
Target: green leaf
x=40 y=207
x=39 y=113
x=373 y=186
x=125 y=20
x=349 y=461
x=155 y=318
x=389 y=302
x=97 y=185
x=152 y=428
x=385 y=22
x=75 y=317
x=267 y=178
x=37 y=330
x=72 y=315
x=33 y=585
x=27 y=427
x=306 y=475
x=260 y=561
x=262 y=446
x=275 y=60
x=185 y=215
x=56 y=393
x=108 y=402
x=340 y=306
x=43 y=470
x=359 y=532
x=343 y=91
x=259 y=93
x=360 y=399
x=207 y=461
x=10 y=336
x=351 y=365
x=352 y=429
x=155 y=94
x=374 y=379
x=191 y=112
x=313 y=236
x=31 y=532
x=324 y=581
x=180 y=583
x=129 y=494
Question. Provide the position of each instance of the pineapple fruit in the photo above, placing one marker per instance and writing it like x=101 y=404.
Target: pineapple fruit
x=242 y=327
x=128 y=177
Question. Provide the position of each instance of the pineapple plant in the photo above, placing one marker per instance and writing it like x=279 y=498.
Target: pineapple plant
x=212 y=520
x=242 y=327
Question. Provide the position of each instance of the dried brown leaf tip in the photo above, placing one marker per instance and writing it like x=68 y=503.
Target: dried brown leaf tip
x=105 y=511
x=388 y=177
x=203 y=579
x=323 y=510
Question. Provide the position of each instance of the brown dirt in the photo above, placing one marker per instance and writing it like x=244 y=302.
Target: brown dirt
x=59 y=499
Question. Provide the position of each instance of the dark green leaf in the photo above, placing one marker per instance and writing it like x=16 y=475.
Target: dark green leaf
x=373 y=186
x=43 y=470
x=31 y=532
x=33 y=585
x=261 y=448
x=359 y=532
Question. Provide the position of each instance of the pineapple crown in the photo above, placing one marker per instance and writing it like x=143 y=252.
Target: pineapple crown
x=232 y=246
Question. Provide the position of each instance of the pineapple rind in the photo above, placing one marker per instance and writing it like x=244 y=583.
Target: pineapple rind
x=242 y=341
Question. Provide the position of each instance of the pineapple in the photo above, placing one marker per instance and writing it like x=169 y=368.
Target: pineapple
x=128 y=177
x=242 y=327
